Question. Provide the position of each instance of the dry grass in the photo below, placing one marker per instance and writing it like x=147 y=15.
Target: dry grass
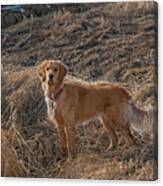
x=113 y=42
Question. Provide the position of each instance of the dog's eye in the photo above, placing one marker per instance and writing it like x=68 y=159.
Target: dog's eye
x=55 y=69
x=47 y=68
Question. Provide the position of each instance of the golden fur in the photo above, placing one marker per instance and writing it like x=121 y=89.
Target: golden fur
x=79 y=101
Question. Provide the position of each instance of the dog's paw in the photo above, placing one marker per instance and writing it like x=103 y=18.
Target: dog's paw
x=71 y=156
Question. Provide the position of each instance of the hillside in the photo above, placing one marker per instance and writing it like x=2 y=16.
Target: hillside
x=115 y=42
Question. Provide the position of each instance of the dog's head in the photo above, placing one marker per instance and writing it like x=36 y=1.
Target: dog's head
x=51 y=72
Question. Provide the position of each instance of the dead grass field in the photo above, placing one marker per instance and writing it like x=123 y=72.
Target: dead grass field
x=115 y=42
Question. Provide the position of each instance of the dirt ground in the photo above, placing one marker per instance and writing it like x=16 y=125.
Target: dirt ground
x=115 y=42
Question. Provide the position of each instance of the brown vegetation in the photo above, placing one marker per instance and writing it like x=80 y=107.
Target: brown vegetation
x=114 y=42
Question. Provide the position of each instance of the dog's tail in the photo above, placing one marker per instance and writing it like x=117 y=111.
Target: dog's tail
x=138 y=117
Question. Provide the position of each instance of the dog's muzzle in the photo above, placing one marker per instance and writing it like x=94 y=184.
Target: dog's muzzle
x=51 y=77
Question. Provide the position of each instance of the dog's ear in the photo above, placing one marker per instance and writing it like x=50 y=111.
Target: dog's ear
x=41 y=71
x=63 y=70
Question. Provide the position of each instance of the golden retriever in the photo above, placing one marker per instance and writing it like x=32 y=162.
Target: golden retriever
x=70 y=101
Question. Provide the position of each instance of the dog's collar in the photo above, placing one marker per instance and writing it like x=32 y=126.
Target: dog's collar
x=54 y=96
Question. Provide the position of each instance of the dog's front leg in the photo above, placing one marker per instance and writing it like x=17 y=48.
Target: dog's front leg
x=70 y=136
x=62 y=139
x=61 y=133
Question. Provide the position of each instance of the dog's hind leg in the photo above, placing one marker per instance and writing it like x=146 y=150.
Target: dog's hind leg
x=127 y=134
x=109 y=128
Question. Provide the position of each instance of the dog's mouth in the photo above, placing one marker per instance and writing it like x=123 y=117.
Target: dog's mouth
x=50 y=82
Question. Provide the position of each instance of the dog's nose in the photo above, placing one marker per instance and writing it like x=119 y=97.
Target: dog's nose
x=51 y=77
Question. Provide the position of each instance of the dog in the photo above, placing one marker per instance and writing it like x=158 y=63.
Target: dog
x=70 y=101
